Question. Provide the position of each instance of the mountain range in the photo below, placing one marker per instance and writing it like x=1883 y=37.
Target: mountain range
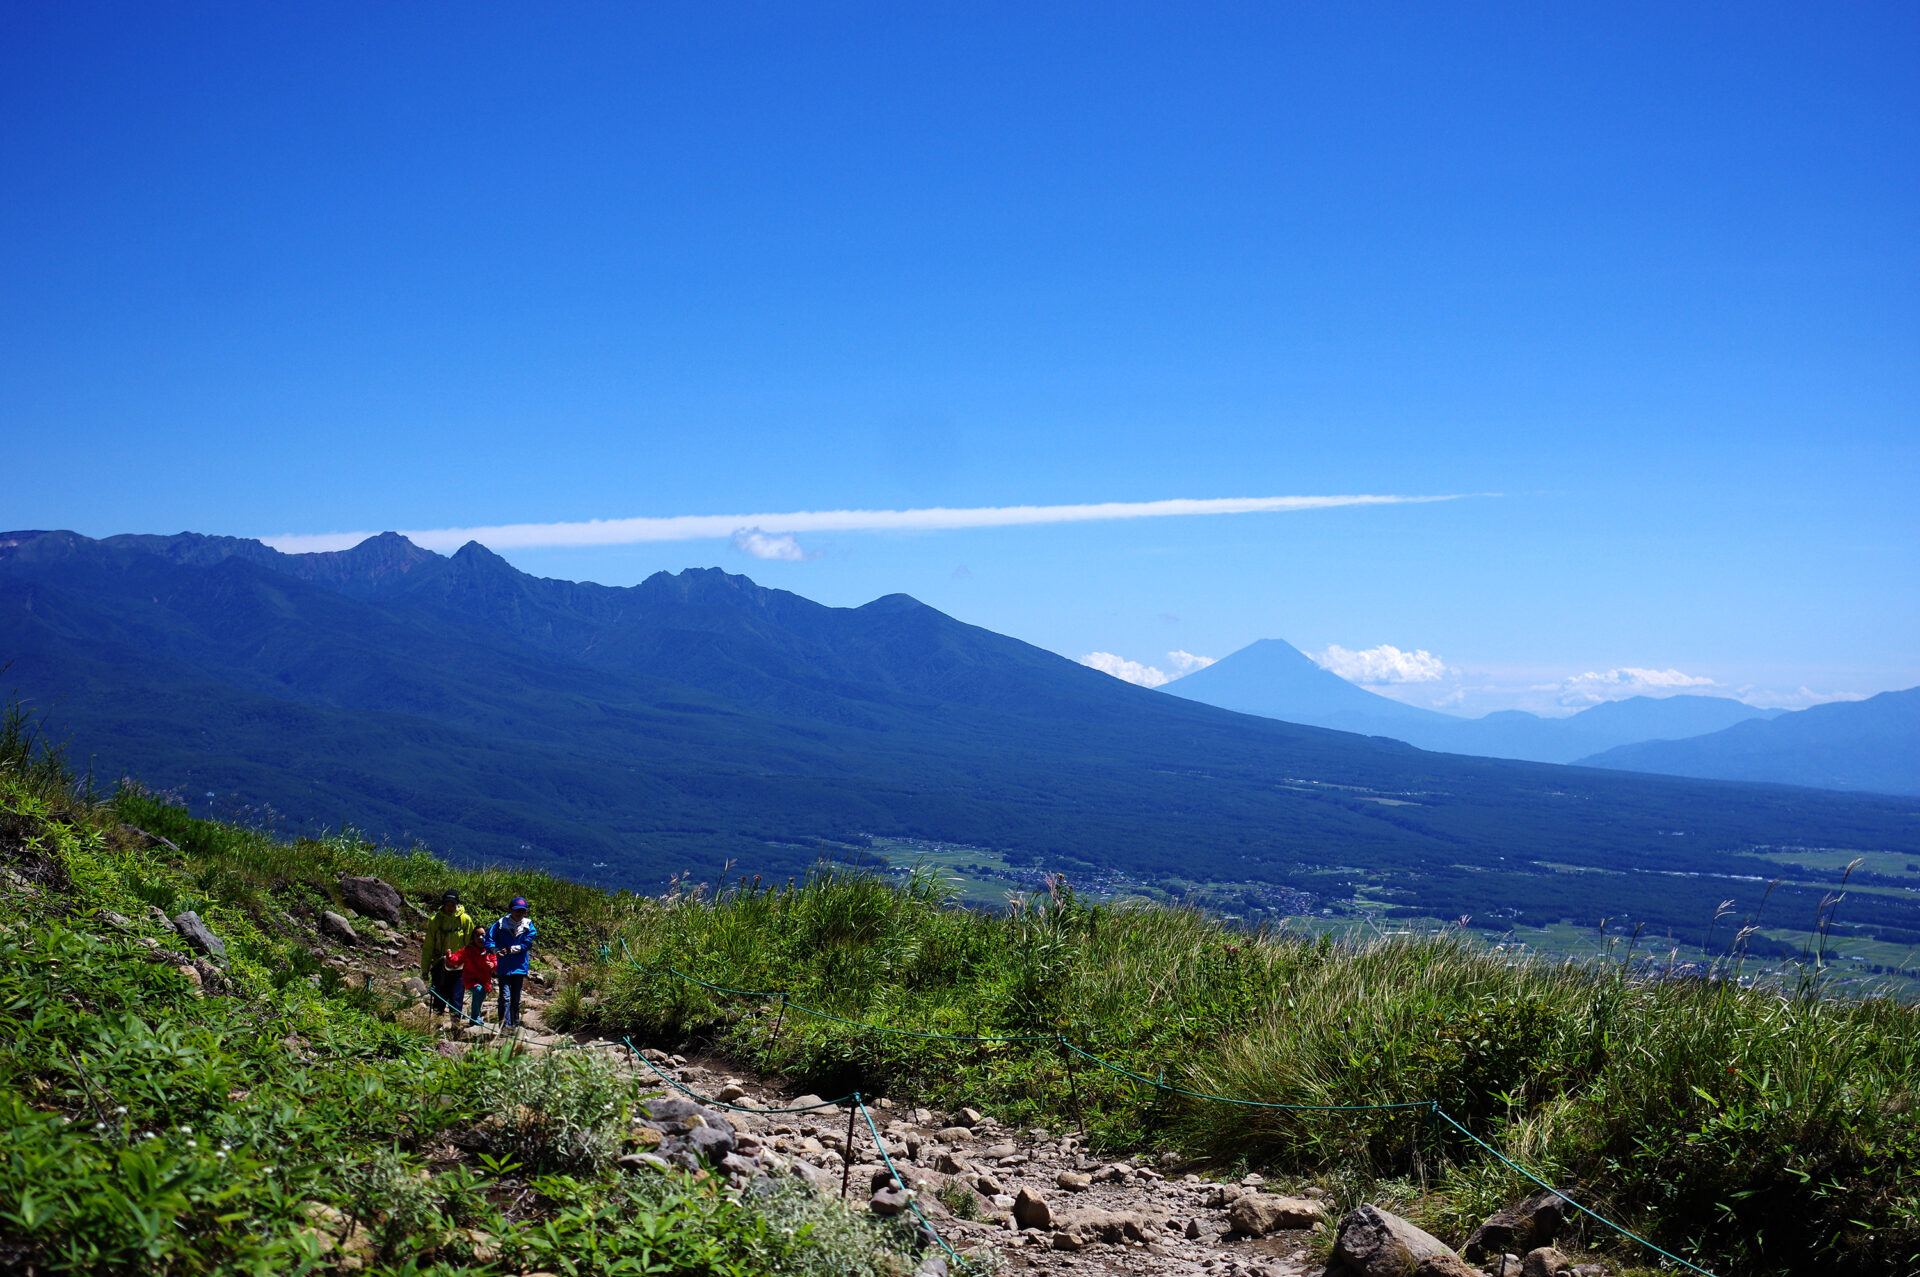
x=621 y=734
x=1274 y=679
x=1872 y=744
x=1866 y=745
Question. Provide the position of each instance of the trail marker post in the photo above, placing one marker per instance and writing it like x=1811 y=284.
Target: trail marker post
x=846 y=1167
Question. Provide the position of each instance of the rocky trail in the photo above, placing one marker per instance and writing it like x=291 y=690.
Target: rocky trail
x=1039 y=1198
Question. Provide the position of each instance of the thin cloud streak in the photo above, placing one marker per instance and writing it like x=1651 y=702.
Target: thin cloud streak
x=694 y=527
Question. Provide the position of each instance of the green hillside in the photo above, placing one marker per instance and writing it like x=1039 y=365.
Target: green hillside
x=1753 y=1130
x=162 y=1113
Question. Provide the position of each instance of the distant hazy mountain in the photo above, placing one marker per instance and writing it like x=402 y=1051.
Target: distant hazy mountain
x=1274 y=679
x=1872 y=745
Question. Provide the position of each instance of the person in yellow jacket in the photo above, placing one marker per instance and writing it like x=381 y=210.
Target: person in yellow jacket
x=447 y=933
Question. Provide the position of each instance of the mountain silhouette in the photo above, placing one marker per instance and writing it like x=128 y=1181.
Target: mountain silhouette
x=1274 y=679
x=698 y=718
x=1872 y=744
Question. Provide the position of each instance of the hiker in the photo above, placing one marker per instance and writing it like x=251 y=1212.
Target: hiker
x=512 y=939
x=447 y=933
x=477 y=965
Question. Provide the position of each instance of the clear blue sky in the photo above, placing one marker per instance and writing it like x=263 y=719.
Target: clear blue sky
x=1649 y=275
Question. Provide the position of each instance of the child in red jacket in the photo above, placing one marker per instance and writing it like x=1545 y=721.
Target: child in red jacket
x=477 y=965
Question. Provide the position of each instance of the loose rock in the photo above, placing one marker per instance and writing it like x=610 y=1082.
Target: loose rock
x=1073 y=1181
x=372 y=897
x=1521 y=1227
x=1258 y=1214
x=195 y=933
x=1094 y=1224
x=1544 y=1261
x=1030 y=1210
x=339 y=928
x=1377 y=1243
x=889 y=1201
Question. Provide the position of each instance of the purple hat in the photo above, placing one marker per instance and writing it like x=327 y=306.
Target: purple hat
x=519 y=902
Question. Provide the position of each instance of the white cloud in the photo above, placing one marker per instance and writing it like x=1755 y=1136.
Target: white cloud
x=1592 y=688
x=1187 y=662
x=693 y=527
x=1383 y=664
x=1125 y=670
x=1146 y=675
x=762 y=545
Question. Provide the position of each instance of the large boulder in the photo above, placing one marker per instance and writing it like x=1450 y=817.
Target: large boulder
x=1257 y=1214
x=195 y=933
x=1519 y=1228
x=372 y=897
x=1377 y=1243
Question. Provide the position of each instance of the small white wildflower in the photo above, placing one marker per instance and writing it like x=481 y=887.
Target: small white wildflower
x=121 y=1109
x=220 y=1157
x=193 y=1143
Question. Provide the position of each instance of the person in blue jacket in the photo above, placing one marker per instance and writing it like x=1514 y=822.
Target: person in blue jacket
x=512 y=938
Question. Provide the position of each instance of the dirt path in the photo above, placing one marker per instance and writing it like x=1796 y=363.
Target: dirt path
x=1127 y=1218
x=1130 y=1220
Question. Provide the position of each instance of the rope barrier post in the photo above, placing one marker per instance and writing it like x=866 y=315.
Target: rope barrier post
x=846 y=1167
x=1073 y=1087
x=766 y=1053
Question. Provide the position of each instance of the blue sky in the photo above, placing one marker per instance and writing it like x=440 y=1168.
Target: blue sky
x=1642 y=281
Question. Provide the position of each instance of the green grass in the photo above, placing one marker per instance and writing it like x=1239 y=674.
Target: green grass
x=1754 y=1130
x=272 y=1126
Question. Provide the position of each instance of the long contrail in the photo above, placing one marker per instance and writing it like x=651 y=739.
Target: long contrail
x=693 y=527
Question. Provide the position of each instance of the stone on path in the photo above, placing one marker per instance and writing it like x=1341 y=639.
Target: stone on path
x=1258 y=1214
x=1073 y=1181
x=971 y=1117
x=889 y=1201
x=1544 y=1261
x=1030 y=1210
x=372 y=897
x=1094 y=1224
x=1377 y=1243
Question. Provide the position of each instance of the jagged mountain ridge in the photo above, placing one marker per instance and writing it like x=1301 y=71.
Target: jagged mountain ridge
x=697 y=717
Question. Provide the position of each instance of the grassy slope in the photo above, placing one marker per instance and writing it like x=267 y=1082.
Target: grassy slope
x=149 y=1127
x=1756 y=1131
x=1759 y=1131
